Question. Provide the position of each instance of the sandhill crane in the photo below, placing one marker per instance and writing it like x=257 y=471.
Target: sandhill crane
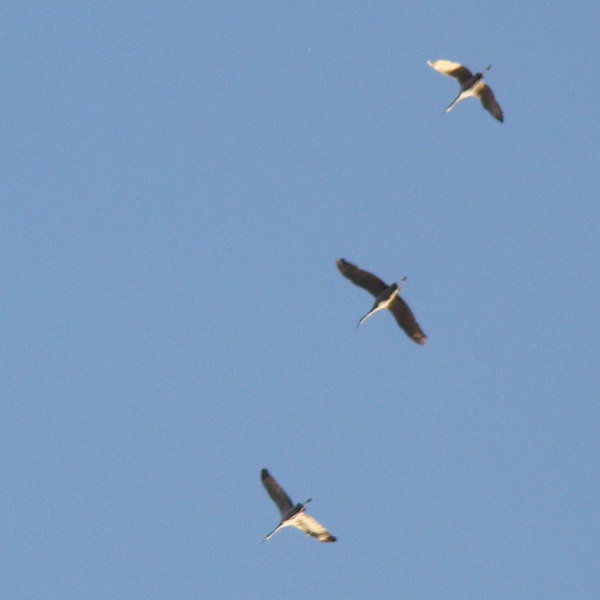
x=293 y=515
x=470 y=85
x=386 y=296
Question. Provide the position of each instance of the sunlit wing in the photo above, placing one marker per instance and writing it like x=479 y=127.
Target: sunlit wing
x=485 y=94
x=406 y=320
x=281 y=499
x=361 y=278
x=312 y=527
x=452 y=69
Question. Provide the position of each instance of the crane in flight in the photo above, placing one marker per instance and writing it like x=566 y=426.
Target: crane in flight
x=470 y=85
x=291 y=514
x=386 y=296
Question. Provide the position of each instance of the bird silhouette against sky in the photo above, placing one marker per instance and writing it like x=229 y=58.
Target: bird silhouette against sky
x=386 y=296
x=470 y=85
x=293 y=515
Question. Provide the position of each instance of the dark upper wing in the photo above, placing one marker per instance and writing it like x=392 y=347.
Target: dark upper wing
x=452 y=69
x=284 y=504
x=485 y=94
x=361 y=278
x=406 y=320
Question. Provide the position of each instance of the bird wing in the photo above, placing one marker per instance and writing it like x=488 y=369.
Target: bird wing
x=361 y=278
x=312 y=527
x=452 y=69
x=284 y=504
x=485 y=94
x=406 y=320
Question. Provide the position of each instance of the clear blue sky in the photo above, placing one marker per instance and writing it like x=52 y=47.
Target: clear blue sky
x=177 y=180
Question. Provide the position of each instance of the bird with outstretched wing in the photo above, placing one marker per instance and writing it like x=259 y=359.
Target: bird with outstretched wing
x=293 y=515
x=470 y=85
x=386 y=296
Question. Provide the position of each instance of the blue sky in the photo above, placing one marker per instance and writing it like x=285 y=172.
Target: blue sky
x=177 y=180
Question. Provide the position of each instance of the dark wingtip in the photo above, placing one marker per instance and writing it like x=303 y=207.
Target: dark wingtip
x=330 y=539
x=264 y=474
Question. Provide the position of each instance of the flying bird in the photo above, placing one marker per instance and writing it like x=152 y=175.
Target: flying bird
x=470 y=85
x=386 y=296
x=293 y=515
